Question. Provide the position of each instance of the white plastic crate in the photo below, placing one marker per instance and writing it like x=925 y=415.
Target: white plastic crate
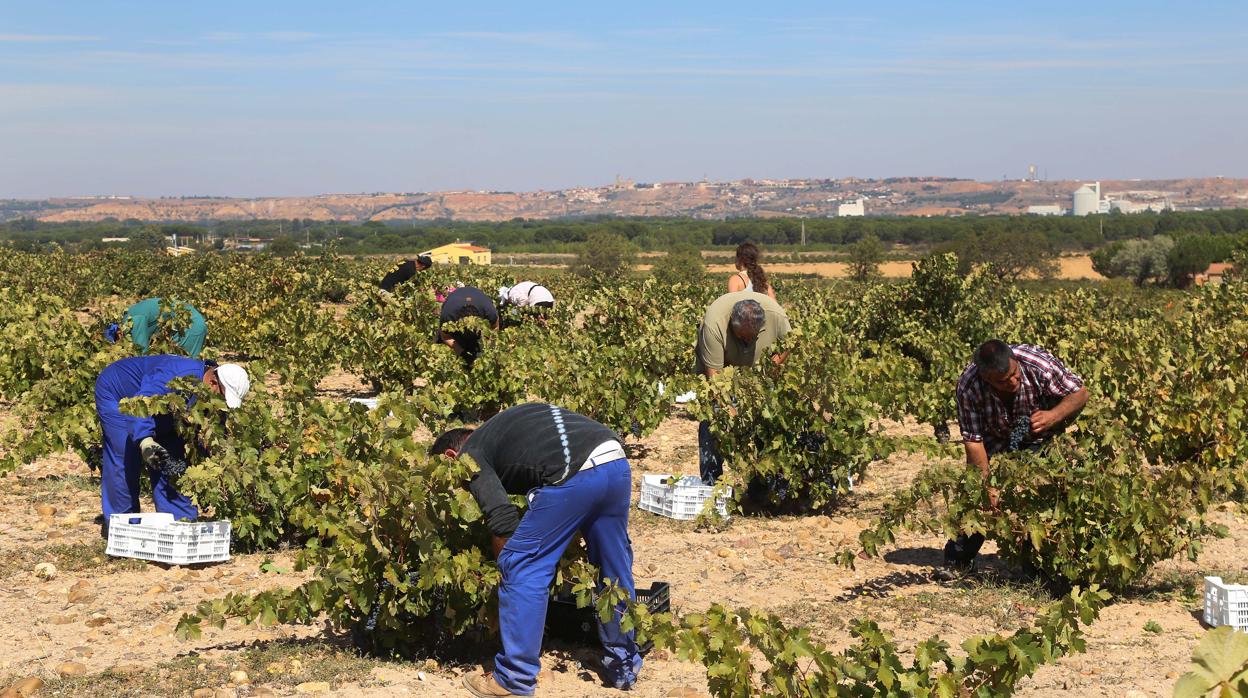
x=367 y=402
x=683 y=500
x=157 y=537
x=1226 y=604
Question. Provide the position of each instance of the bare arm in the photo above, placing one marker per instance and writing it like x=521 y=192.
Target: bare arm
x=1071 y=405
x=450 y=342
x=499 y=543
x=977 y=456
x=710 y=372
x=735 y=283
x=779 y=359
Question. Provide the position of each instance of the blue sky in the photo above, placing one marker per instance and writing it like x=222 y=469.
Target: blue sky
x=287 y=98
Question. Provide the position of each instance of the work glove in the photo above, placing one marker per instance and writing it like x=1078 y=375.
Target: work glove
x=112 y=332
x=156 y=456
x=152 y=452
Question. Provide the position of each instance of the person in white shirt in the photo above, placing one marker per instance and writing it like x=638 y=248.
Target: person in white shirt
x=526 y=294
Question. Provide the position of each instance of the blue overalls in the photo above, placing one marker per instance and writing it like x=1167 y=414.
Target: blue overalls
x=139 y=376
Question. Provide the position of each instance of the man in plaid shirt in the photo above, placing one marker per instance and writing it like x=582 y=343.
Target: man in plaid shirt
x=1010 y=397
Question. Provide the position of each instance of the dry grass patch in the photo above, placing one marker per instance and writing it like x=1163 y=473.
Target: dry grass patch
x=68 y=557
x=281 y=665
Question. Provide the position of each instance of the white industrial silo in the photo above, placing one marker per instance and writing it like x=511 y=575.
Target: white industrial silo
x=1086 y=200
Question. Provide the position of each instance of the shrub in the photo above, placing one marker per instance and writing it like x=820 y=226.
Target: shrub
x=1086 y=509
x=865 y=256
x=605 y=256
x=681 y=265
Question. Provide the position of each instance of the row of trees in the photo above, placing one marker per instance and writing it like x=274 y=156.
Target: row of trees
x=1164 y=260
x=1009 y=256
x=1062 y=233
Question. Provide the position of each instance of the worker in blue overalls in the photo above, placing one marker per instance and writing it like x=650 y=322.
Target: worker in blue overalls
x=132 y=442
x=576 y=476
x=144 y=318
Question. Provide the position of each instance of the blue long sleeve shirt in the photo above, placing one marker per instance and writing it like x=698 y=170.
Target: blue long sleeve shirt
x=146 y=376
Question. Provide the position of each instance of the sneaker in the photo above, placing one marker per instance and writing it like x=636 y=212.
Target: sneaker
x=485 y=686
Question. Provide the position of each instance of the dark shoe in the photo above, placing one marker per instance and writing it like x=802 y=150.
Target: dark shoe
x=952 y=571
x=484 y=686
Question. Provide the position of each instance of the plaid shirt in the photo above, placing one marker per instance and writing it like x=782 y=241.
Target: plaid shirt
x=982 y=414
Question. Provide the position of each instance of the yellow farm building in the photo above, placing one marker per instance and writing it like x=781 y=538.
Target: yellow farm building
x=460 y=253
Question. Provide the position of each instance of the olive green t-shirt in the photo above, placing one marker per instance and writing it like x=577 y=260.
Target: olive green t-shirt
x=717 y=347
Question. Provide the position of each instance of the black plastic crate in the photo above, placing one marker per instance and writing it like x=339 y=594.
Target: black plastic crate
x=580 y=625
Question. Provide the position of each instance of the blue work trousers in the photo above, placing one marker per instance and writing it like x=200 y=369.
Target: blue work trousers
x=962 y=551
x=594 y=502
x=119 y=473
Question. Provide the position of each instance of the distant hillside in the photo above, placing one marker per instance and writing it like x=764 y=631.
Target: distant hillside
x=929 y=196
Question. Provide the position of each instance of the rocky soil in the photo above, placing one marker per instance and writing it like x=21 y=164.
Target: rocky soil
x=100 y=626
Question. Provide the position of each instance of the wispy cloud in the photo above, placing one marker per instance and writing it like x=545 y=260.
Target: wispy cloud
x=46 y=38
x=31 y=98
x=669 y=33
x=291 y=36
x=224 y=36
x=555 y=40
x=284 y=35
x=801 y=27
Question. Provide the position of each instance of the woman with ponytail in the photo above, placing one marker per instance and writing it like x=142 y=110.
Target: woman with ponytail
x=750 y=275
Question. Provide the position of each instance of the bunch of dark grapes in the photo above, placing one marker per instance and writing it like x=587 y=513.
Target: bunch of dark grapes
x=811 y=441
x=1020 y=430
x=371 y=623
x=173 y=468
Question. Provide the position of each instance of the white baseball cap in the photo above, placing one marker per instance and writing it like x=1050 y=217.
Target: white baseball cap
x=234 y=384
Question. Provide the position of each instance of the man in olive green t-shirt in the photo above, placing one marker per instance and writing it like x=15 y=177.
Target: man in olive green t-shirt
x=737 y=330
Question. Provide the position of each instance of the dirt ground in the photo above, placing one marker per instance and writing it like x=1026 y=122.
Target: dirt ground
x=114 y=617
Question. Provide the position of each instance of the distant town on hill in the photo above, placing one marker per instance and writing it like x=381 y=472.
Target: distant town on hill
x=756 y=198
